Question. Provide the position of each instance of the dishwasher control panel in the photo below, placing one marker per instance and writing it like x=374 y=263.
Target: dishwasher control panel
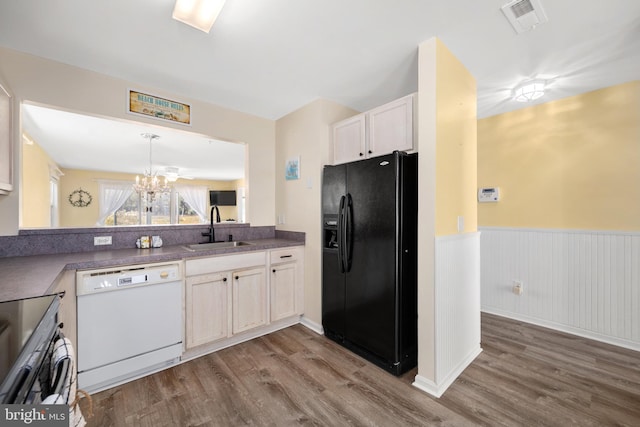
x=92 y=281
x=132 y=280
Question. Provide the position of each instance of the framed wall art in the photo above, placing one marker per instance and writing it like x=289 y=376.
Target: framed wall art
x=159 y=108
x=292 y=169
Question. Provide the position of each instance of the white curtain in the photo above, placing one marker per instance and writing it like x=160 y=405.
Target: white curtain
x=113 y=194
x=196 y=197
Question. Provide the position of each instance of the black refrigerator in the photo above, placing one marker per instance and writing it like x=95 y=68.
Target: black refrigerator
x=369 y=258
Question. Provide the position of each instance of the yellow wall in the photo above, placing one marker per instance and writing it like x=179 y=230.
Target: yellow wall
x=446 y=169
x=73 y=179
x=305 y=133
x=569 y=164
x=35 y=183
x=226 y=212
x=456 y=146
x=51 y=83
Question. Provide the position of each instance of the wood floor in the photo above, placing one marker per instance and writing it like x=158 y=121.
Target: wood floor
x=525 y=376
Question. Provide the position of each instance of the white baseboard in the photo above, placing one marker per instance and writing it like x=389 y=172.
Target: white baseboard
x=237 y=339
x=315 y=327
x=427 y=386
x=564 y=328
x=438 y=390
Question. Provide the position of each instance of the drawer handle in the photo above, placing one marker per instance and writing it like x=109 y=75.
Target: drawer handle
x=274 y=270
x=285 y=256
x=237 y=277
x=224 y=279
x=164 y=275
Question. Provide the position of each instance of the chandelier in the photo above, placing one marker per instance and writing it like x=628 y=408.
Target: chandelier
x=150 y=184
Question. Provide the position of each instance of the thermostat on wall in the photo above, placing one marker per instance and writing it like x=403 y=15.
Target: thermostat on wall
x=488 y=194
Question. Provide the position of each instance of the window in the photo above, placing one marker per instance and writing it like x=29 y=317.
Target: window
x=53 y=203
x=128 y=213
x=183 y=205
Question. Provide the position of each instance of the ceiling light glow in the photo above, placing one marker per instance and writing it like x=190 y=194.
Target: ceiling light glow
x=529 y=91
x=200 y=14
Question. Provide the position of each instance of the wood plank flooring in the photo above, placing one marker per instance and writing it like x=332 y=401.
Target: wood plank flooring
x=526 y=375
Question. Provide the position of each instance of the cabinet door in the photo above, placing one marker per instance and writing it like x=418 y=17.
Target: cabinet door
x=6 y=143
x=349 y=140
x=207 y=305
x=391 y=127
x=249 y=299
x=283 y=291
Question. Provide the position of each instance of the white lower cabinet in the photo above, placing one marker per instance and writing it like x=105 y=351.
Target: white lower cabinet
x=249 y=299
x=283 y=291
x=231 y=298
x=285 y=283
x=225 y=295
x=207 y=317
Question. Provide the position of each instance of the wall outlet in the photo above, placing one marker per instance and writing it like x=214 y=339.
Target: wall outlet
x=518 y=287
x=101 y=240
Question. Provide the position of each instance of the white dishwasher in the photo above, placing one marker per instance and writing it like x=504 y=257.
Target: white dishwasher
x=129 y=323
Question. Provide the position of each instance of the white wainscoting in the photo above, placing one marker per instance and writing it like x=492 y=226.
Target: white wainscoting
x=583 y=282
x=457 y=309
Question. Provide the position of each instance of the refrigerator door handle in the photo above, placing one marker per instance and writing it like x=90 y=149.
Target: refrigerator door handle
x=348 y=233
x=341 y=240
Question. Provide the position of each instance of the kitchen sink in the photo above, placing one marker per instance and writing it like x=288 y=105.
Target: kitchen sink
x=215 y=245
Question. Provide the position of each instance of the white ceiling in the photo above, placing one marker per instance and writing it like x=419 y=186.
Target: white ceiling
x=269 y=58
x=77 y=141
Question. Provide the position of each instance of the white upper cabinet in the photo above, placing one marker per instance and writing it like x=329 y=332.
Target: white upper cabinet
x=377 y=132
x=391 y=127
x=349 y=139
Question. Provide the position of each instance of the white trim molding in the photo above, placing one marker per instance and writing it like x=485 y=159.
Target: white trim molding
x=456 y=310
x=310 y=324
x=582 y=282
x=438 y=390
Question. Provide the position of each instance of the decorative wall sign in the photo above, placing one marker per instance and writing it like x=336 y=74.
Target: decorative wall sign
x=80 y=198
x=292 y=169
x=160 y=108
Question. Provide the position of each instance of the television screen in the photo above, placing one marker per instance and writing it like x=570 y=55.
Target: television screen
x=222 y=198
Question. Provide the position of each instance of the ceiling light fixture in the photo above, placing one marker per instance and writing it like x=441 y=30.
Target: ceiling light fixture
x=150 y=184
x=529 y=91
x=171 y=174
x=200 y=14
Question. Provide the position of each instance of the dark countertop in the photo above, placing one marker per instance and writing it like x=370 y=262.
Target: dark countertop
x=30 y=276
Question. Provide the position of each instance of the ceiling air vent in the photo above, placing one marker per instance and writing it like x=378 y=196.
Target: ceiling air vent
x=524 y=15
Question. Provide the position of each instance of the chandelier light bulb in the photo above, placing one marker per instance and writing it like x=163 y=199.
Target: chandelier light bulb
x=150 y=185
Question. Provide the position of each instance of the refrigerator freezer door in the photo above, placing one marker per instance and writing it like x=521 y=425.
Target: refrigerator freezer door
x=371 y=295
x=333 y=279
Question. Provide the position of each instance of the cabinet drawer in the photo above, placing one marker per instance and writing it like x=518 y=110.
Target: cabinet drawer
x=285 y=255
x=224 y=263
x=206 y=278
